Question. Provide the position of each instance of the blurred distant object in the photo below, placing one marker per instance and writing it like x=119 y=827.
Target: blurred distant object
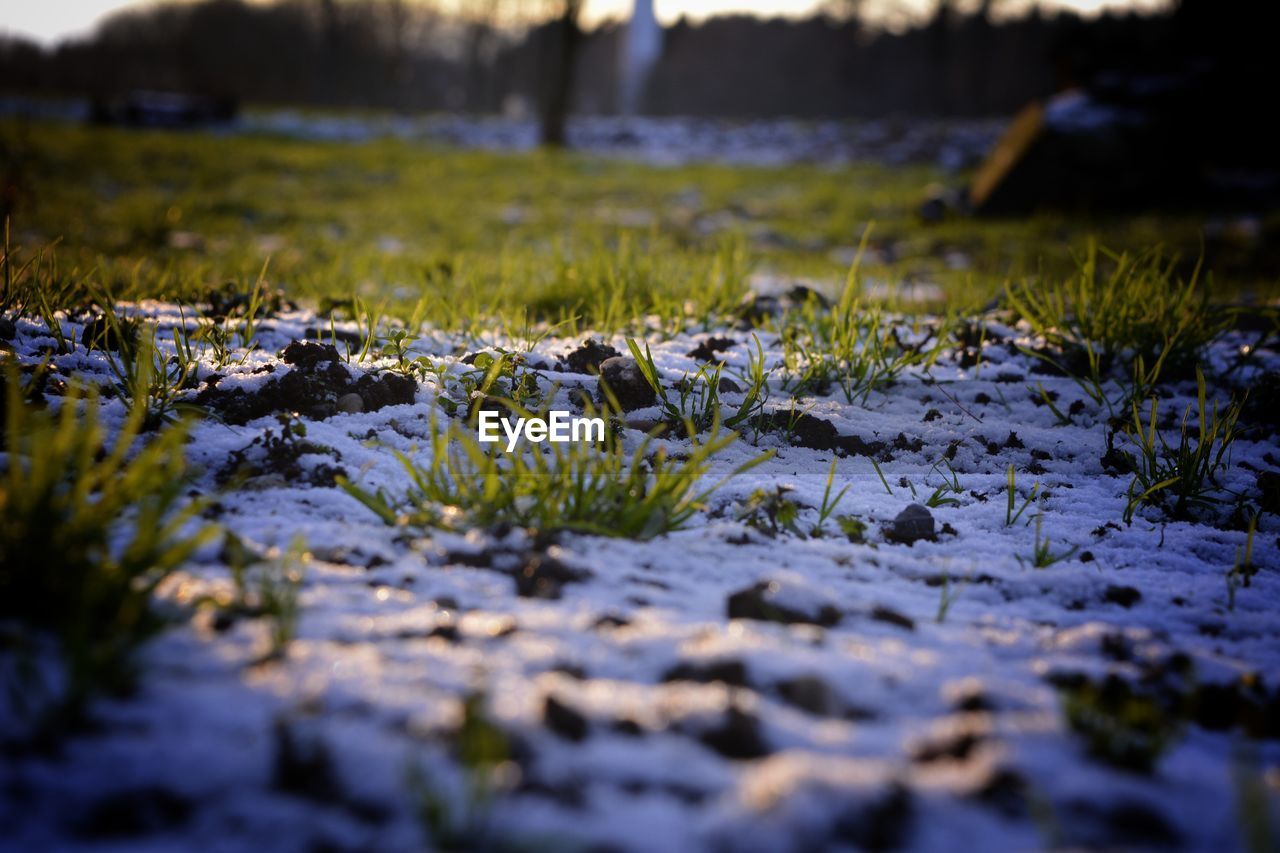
x=175 y=110
x=1101 y=151
x=640 y=52
x=1185 y=128
x=949 y=59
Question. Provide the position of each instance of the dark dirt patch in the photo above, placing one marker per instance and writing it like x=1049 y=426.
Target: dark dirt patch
x=563 y=720
x=312 y=388
x=1116 y=824
x=707 y=350
x=737 y=737
x=761 y=602
x=542 y=576
x=280 y=452
x=536 y=574
x=814 y=433
x=1125 y=596
x=624 y=380
x=102 y=334
x=730 y=671
x=588 y=357
x=889 y=616
x=135 y=812
x=884 y=823
x=810 y=693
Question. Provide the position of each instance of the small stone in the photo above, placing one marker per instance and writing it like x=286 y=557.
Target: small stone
x=351 y=404
x=629 y=387
x=911 y=525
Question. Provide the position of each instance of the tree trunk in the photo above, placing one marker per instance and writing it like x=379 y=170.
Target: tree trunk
x=558 y=86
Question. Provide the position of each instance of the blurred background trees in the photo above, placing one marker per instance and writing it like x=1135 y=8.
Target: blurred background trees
x=535 y=57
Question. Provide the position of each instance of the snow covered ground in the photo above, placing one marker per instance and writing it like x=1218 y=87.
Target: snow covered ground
x=870 y=694
x=948 y=143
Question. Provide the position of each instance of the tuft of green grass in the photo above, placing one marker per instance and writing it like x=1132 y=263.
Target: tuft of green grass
x=1120 y=313
x=148 y=377
x=1181 y=478
x=698 y=404
x=87 y=532
x=277 y=583
x=1042 y=555
x=578 y=486
x=1243 y=570
x=849 y=346
x=1012 y=511
x=460 y=820
x=1119 y=725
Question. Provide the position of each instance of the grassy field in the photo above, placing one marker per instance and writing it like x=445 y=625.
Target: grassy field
x=166 y=215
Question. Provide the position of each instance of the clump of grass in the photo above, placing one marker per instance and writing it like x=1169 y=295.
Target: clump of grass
x=87 y=532
x=578 y=486
x=848 y=346
x=1012 y=510
x=491 y=380
x=1042 y=555
x=460 y=820
x=1243 y=570
x=150 y=378
x=1119 y=725
x=697 y=403
x=1180 y=478
x=771 y=512
x=1117 y=310
x=265 y=586
x=941 y=496
x=34 y=288
x=276 y=583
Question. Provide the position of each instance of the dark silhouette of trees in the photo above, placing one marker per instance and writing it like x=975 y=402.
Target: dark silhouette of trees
x=408 y=55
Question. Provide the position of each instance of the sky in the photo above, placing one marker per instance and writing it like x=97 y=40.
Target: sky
x=49 y=21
